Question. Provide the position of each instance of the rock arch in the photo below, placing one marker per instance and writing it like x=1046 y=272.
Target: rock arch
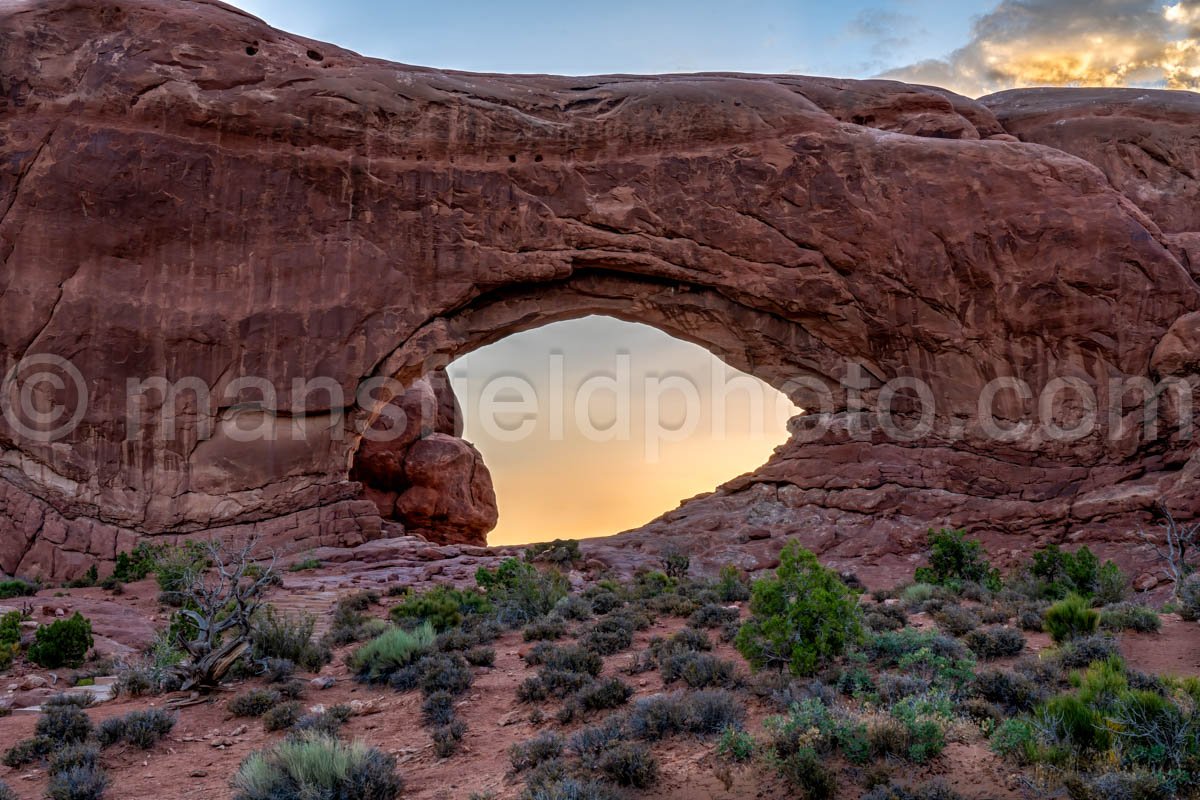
x=173 y=205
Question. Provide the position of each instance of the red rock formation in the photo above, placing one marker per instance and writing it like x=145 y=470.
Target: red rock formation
x=186 y=192
x=424 y=476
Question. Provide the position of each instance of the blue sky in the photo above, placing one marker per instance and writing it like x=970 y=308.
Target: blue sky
x=850 y=39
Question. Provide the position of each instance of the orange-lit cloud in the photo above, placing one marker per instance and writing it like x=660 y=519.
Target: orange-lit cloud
x=1072 y=43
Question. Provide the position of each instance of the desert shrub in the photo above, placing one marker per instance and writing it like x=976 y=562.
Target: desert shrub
x=10 y=637
x=328 y=722
x=706 y=712
x=78 y=783
x=888 y=648
x=588 y=743
x=175 y=567
x=28 y=751
x=545 y=629
x=18 y=587
x=559 y=786
x=562 y=552
x=629 y=764
x=995 y=641
x=803 y=770
x=1122 y=785
x=1068 y=719
x=541 y=748
x=474 y=631
x=63 y=643
x=447 y=738
x=350 y=623
x=144 y=729
x=996 y=614
x=6 y=793
x=916 y=595
x=1189 y=598
x=1112 y=585
x=438 y=708
x=713 y=616
x=520 y=592
x=675 y=563
x=956 y=620
x=732 y=586
x=893 y=686
x=604 y=600
x=74 y=755
x=1029 y=616
x=699 y=670
x=611 y=634
x=443 y=607
x=1016 y=740
x=441 y=672
x=908 y=733
x=955 y=559
x=480 y=656
x=573 y=607
x=800 y=618
x=63 y=724
x=1058 y=573
x=283 y=716
x=930 y=791
x=1071 y=618
x=566 y=658
x=603 y=694
x=254 y=702
x=317 y=766
x=386 y=654
x=110 y=731
x=1129 y=617
x=1010 y=690
x=884 y=617
x=137 y=564
x=289 y=637
x=736 y=745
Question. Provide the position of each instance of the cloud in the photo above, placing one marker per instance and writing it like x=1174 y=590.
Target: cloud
x=1072 y=43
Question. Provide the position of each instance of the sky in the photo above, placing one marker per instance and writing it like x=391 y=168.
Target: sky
x=569 y=485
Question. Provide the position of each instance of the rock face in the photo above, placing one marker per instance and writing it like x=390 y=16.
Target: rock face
x=424 y=475
x=190 y=199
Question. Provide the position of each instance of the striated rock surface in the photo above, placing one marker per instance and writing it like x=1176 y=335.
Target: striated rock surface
x=190 y=198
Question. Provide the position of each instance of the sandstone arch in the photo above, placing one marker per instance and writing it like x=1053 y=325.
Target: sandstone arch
x=174 y=205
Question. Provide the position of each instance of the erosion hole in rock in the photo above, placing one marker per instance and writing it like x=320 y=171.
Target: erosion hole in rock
x=587 y=426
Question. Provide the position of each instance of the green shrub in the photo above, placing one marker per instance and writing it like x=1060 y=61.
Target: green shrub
x=18 y=587
x=713 y=616
x=137 y=564
x=10 y=638
x=562 y=552
x=305 y=565
x=176 y=567
x=1015 y=739
x=629 y=764
x=917 y=594
x=379 y=659
x=78 y=783
x=288 y=637
x=736 y=745
x=1071 y=618
x=801 y=618
x=1112 y=585
x=1085 y=650
x=317 y=766
x=955 y=559
x=1071 y=720
x=805 y=771
x=85 y=581
x=675 y=563
x=1060 y=573
x=28 y=751
x=283 y=716
x=995 y=641
x=1129 y=617
x=520 y=592
x=880 y=617
x=63 y=643
x=573 y=607
x=254 y=702
x=443 y=607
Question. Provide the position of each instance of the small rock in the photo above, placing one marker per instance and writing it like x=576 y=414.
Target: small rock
x=198 y=773
x=757 y=534
x=1145 y=582
x=239 y=730
x=323 y=682
x=59 y=612
x=30 y=682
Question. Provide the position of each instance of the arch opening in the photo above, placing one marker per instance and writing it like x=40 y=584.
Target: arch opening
x=588 y=426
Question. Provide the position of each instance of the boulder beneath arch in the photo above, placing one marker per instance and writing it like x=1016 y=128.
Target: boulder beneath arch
x=227 y=239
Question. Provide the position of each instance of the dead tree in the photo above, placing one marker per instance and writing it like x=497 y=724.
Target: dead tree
x=1174 y=546
x=220 y=598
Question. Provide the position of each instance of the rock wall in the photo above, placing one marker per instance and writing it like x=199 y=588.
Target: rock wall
x=190 y=199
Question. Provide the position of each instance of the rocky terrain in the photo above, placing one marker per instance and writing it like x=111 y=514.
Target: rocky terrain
x=187 y=194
